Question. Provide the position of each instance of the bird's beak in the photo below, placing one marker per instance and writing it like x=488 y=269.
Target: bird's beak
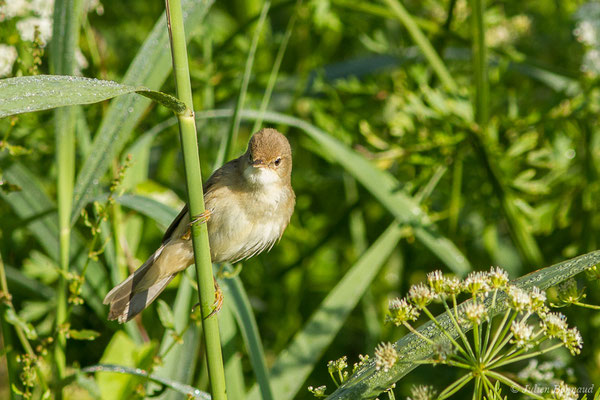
x=258 y=163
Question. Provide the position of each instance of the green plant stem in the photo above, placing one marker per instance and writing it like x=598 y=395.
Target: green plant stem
x=488 y=327
x=455 y=386
x=477 y=392
x=5 y=300
x=480 y=64
x=65 y=39
x=455 y=194
x=424 y=44
x=591 y=306
x=505 y=337
x=445 y=332
x=189 y=143
x=511 y=353
x=454 y=319
x=525 y=356
x=512 y=384
x=487 y=386
x=492 y=345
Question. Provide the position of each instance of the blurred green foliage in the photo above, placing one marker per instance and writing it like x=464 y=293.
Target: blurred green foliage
x=352 y=70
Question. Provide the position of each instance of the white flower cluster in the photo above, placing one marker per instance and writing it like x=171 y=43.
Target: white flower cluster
x=587 y=31
x=31 y=14
x=8 y=55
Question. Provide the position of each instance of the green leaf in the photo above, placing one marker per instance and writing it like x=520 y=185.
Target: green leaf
x=249 y=330
x=368 y=383
x=295 y=363
x=89 y=384
x=123 y=351
x=120 y=369
x=12 y=318
x=234 y=373
x=159 y=212
x=38 y=213
x=165 y=315
x=84 y=334
x=43 y=92
x=150 y=68
x=180 y=362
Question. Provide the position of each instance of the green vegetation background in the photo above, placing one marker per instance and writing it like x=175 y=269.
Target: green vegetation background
x=351 y=69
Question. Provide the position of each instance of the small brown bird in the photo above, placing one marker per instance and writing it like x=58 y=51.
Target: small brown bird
x=249 y=202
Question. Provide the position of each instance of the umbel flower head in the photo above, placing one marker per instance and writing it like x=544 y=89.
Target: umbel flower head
x=401 y=311
x=525 y=322
x=477 y=282
x=564 y=392
x=385 y=356
x=475 y=312
x=421 y=295
x=422 y=392
x=522 y=333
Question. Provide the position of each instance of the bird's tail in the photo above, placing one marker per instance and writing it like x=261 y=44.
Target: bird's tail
x=135 y=293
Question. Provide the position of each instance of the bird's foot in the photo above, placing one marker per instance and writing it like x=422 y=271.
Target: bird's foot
x=201 y=218
x=218 y=304
x=218 y=300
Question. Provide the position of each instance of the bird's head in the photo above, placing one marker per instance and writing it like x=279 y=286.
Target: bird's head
x=268 y=159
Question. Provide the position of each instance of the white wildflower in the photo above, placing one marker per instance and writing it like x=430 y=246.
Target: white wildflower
x=43 y=8
x=522 y=333
x=13 y=8
x=477 y=282
x=498 y=277
x=8 y=56
x=421 y=295
x=554 y=324
x=519 y=299
x=26 y=28
x=385 y=356
x=422 y=392
x=475 y=312
x=564 y=392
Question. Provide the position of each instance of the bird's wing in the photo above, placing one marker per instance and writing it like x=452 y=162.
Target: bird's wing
x=174 y=224
x=208 y=187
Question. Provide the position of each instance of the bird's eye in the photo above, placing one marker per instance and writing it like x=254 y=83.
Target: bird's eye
x=278 y=161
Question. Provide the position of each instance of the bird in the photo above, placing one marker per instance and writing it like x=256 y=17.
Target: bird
x=249 y=202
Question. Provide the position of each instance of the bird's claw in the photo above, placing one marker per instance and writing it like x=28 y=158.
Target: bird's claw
x=217 y=305
x=201 y=218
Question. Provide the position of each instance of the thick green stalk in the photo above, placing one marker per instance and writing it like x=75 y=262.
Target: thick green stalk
x=189 y=143
x=480 y=64
x=5 y=304
x=65 y=37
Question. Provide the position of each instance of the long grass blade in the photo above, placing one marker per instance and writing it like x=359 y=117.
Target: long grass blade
x=249 y=329
x=186 y=390
x=234 y=374
x=43 y=92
